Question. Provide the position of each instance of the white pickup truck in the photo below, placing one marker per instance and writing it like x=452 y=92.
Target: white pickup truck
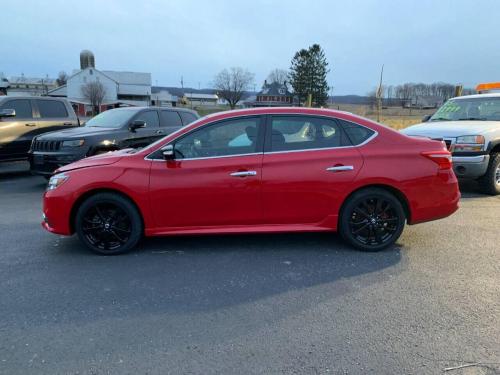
x=470 y=126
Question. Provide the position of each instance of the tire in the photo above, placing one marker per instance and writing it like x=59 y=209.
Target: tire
x=108 y=224
x=490 y=182
x=372 y=219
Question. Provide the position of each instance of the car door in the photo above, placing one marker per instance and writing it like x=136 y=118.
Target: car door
x=51 y=115
x=308 y=162
x=215 y=179
x=149 y=133
x=16 y=132
x=170 y=121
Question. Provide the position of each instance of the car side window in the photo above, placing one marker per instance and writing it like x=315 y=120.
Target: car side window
x=51 y=109
x=357 y=134
x=187 y=117
x=290 y=133
x=150 y=118
x=21 y=106
x=170 y=118
x=232 y=137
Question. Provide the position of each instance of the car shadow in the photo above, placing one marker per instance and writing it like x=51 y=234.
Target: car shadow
x=197 y=274
x=470 y=189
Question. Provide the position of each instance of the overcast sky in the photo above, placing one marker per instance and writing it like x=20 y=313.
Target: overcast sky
x=418 y=40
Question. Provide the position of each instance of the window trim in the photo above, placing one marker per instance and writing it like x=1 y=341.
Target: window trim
x=142 y=112
x=260 y=139
x=36 y=105
x=267 y=148
x=32 y=105
x=170 y=126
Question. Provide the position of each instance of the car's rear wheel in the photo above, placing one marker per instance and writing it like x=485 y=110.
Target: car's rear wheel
x=372 y=219
x=108 y=224
x=490 y=182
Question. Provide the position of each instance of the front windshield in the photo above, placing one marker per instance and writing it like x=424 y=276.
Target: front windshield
x=481 y=109
x=113 y=118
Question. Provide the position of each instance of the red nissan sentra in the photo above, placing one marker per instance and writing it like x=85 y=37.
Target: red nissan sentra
x=254 y=171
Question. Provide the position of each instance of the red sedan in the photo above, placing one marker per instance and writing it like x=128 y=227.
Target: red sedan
x=254 y=171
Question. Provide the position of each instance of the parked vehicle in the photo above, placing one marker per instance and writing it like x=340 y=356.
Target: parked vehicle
x=470 y=126
x=22 y=118
x=109 y=131
x=257 y=170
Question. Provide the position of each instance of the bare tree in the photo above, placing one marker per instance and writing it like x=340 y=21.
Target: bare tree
x=277 y=75
x=62 y=78
x=231 y=84
x=94 y=92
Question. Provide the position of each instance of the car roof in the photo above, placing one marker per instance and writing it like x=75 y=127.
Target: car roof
x=280 y=110
x=30 y=97
x=476 y=96
x=153 y=107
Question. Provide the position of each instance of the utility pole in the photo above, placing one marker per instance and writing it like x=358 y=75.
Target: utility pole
x=379 y=94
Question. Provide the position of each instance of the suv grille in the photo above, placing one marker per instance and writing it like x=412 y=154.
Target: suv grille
x=46 y=145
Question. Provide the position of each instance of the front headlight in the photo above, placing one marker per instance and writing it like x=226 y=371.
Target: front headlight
x=56 y=181
x=469 y=143
x=73 y=143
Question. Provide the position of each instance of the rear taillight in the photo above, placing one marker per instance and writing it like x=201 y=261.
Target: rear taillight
x=441 y=158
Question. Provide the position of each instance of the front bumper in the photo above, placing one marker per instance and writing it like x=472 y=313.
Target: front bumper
x=45 y=163
x=470 y=166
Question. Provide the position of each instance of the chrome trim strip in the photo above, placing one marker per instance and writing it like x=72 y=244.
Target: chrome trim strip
x=340 y=168
x=373 y=136
x=243 y=174
x=468 y=159
x=209 y=157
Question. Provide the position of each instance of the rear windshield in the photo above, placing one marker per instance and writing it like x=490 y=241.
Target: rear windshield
x=111 y=118
x=479 y=109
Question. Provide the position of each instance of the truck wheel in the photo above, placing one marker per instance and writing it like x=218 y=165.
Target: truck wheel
x=490 y=182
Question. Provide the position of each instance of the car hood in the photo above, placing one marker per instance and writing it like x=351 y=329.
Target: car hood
x=97 y=160
x=451 y=129
x=74 y=133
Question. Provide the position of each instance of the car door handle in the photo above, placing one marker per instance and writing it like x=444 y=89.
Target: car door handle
x=340 y=168
x=30 y=124
x=159 y=132
x=67 y=124
x=243 y=174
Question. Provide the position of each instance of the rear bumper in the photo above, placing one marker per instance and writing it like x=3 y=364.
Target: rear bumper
x=470 y=166
x=439 y=199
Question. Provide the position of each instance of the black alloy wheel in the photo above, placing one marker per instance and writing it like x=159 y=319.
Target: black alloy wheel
x=108 y=224
x=372 y=219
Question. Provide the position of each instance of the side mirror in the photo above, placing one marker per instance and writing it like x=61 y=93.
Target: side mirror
x=136 y=124
x=168 y=152
x=426 y=118
x=8 y=113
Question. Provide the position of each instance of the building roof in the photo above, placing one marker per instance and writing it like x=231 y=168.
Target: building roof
x=131 y=78
x=275 y=89
x=32 y=80
x=201 y=96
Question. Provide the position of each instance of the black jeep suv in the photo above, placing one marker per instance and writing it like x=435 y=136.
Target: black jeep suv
x=109 y=131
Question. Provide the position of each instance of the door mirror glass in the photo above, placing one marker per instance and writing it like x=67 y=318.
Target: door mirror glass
x=136 y=124
x=168 y=152
x=7 y=113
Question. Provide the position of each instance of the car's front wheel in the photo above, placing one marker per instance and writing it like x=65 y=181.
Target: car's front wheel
x=108 y=224
x=372 y=219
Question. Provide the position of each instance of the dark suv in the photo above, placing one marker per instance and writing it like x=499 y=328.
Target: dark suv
x=22 y=118
x=109 y=131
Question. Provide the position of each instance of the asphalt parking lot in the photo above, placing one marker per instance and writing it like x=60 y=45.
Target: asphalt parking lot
x=263 y=304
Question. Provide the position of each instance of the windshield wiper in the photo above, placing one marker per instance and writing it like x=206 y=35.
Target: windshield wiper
x=472 y=119
x=440 y=119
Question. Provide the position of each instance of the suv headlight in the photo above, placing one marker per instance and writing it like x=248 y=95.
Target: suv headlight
x=73 y=143
x=469 y=143
x=56 y=181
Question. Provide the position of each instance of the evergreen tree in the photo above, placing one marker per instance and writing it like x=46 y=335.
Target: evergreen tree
x=308 y=73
